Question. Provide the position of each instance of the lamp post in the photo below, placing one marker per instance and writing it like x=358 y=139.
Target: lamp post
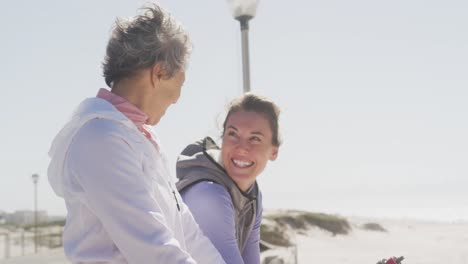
x=35 y=178
x=243 y=11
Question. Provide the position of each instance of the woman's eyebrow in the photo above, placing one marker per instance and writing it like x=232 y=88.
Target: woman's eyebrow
x=257 y=133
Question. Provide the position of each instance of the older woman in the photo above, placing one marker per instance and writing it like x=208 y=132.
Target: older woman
x=108 y=165
x=219 y=184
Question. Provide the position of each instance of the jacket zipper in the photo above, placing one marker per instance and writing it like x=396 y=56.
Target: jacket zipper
x=175 y=198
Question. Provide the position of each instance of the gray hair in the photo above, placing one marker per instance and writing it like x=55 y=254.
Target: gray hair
x=150 y=38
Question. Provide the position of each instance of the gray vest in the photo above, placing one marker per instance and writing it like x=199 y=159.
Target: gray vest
x=203 y=167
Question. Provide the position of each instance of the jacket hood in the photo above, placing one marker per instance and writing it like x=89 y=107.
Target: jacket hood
x=89 y=109
x=201 y=155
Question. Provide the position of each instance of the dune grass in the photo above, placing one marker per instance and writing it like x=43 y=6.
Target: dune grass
x=373 y=227
x=275 y=234
x=301 y=220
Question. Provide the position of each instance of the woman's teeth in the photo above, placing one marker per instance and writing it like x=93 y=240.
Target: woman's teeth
x=242 y=164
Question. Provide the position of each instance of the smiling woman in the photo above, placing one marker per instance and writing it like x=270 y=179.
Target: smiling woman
x=219 y=184
x=248 y=141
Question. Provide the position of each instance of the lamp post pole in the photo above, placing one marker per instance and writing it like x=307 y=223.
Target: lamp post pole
x=35 y=178
x=244 y=24
x=243 y=11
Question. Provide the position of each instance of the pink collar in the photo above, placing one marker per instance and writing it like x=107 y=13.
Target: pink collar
x=132 y=112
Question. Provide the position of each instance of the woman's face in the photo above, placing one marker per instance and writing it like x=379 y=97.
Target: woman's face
x=167 y=93
x=247 y=146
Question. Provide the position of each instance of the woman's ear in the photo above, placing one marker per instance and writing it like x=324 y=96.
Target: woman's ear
x=274 y=153
x=158 y=71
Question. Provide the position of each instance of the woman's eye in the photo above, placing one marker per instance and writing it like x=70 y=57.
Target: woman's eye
x=232 y=134
x=256 y=139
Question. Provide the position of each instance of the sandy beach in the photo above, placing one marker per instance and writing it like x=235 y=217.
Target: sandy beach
x=418 y=241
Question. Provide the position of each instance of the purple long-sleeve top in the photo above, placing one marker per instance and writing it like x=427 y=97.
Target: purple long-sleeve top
x=212 y=208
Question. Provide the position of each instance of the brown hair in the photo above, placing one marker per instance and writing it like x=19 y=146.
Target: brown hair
x=250 y=102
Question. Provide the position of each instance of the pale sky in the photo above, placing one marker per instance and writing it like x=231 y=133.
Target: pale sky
x=373 y=95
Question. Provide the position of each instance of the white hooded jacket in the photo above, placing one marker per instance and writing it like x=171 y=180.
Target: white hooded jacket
x=122 y=204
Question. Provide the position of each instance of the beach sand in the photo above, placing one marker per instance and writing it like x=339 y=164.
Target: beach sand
x=418 y=241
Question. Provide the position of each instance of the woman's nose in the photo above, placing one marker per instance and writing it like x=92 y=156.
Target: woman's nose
x=243 y=146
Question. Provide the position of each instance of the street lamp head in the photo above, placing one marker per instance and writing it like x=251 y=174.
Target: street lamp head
x=243 y=10
x=35 y=177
